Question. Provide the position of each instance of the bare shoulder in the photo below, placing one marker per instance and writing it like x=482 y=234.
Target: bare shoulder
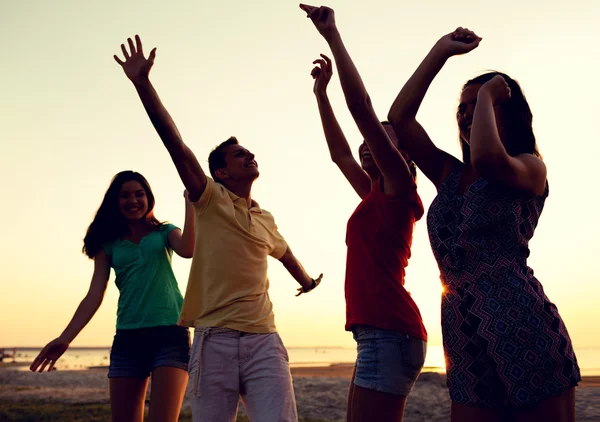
x=535 y=171
x=534 y=162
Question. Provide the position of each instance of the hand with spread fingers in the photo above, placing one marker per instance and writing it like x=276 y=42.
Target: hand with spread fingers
x=49 y=355
x=498 y=89
x=314 y=285
x=322 y=74
x=323 y=17
x=136 y=66
x=460 y=41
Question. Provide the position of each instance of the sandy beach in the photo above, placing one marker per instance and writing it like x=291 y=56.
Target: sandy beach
x=320 y=391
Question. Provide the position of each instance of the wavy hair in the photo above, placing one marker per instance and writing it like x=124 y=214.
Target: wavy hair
x=109 y=224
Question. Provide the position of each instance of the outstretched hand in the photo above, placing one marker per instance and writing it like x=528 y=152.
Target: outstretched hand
x=136 y=66
x=460 y=41
x=49 y=355
x=315 y=283
x=323 y=17
x=321 y=74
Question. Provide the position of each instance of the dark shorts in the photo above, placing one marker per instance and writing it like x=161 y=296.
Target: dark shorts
x=387 y=361
x=136 y=352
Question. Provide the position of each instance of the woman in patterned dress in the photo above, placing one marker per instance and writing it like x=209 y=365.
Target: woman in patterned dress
x=508 y=353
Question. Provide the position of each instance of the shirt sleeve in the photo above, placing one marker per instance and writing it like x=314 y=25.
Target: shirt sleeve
x=165 y=230
x=211 y=191
x=278 y=244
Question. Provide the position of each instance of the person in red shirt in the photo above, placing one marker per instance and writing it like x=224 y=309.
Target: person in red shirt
x=385 y=321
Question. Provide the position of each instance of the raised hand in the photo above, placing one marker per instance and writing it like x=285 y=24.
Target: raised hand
x=136 y=66
x=498 y=89
x=323 y=17
x=49 y=355
x=321 y=74
x=460 y=41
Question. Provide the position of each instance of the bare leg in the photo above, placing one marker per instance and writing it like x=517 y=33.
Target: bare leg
x=462 y=413
x=166 y=394
x=127 y=397
x=560 y=408
x=350 y=397
x=370 y=405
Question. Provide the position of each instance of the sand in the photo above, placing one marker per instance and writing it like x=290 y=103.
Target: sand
x=320 y=392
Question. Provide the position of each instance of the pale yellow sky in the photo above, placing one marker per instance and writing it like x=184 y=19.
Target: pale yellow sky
x=71 y=120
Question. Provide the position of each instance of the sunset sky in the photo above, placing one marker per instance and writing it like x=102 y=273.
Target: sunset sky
x=71 y=120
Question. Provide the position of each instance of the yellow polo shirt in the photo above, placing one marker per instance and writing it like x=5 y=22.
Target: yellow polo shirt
x=228 y=284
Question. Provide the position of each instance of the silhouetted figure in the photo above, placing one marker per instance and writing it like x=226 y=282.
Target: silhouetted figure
x=508 y=353
x=384 y=319
x=237 y=350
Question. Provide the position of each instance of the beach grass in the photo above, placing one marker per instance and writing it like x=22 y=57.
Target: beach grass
x=44 y=411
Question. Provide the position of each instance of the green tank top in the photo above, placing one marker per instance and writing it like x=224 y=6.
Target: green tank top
x=149 y=294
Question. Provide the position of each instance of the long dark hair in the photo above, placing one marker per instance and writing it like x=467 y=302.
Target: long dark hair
x=109 y=224
x=517 y=119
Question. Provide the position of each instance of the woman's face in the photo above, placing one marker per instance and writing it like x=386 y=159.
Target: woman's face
x=366 y=159
x=133 y=201
x=466 y=108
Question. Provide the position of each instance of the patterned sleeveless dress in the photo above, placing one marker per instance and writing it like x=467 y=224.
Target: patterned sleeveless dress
x=504 y=341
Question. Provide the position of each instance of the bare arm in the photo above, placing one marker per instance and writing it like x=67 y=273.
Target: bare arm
x=183 y=242
x=296 y=270
x=84 y=313
x=435 y=163
x=340 y=151
x=524 y=173
x=389 y=160
x=137 y=68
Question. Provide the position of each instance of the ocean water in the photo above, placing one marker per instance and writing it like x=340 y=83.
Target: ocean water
x=77 y=358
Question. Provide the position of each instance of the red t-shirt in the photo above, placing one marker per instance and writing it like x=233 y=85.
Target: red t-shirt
x=378 y=236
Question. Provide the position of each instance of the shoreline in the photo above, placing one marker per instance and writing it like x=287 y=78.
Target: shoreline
x=310 y=370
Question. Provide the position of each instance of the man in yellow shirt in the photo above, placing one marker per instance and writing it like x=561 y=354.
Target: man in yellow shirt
x=236 y=350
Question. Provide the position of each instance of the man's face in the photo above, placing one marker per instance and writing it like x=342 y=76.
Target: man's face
x=240 y=164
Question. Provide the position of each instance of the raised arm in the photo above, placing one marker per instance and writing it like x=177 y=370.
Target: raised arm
x=340 y=151
x=525 y=173
x=296 y=270
x=435 y=163
x=183 y=242
x=84 y=313
x=389 y=160
x=137 y=68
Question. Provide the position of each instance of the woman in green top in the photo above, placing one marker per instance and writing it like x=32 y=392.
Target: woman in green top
x=126 y=236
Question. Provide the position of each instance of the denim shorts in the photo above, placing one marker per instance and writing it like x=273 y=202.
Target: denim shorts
x=136 y=352
x=387 y=361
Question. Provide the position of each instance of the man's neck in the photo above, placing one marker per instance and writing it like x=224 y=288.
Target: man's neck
x=243 y=190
